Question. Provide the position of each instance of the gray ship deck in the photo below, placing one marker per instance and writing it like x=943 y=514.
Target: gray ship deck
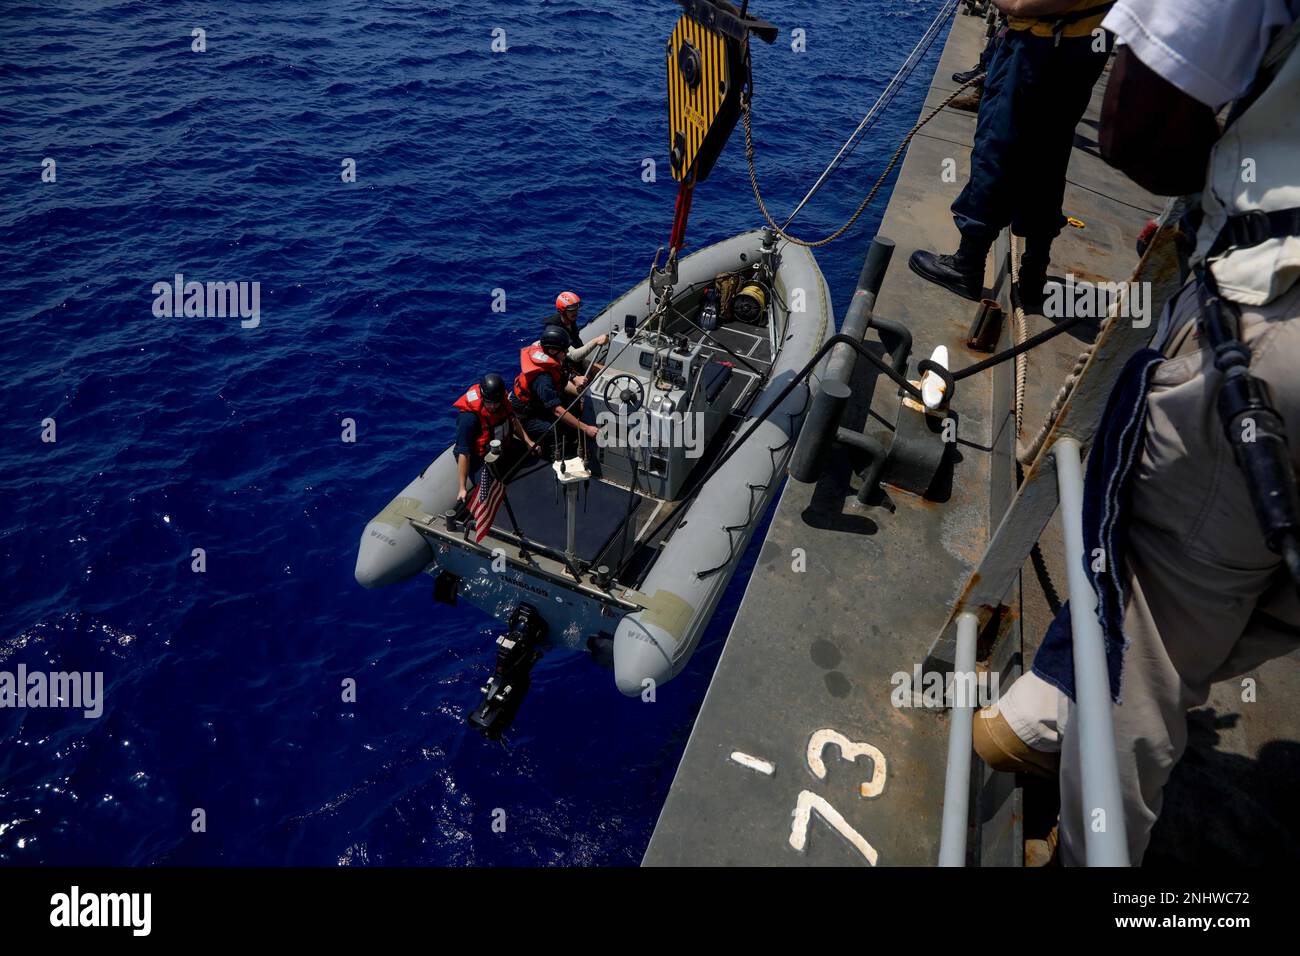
x=815 y=650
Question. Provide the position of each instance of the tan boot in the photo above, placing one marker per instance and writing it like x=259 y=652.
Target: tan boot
x=1000 y=747
x=969 y=101
x=1043 y=852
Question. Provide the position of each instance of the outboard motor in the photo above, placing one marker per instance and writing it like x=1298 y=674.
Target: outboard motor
x=517 y=652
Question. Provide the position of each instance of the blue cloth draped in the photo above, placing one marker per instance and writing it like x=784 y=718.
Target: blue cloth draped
x=1106 y=499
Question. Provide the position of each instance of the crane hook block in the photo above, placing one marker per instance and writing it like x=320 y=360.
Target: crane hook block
x=708 y=67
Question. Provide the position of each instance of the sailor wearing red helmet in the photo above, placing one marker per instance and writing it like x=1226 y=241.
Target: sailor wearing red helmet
x=567 y=305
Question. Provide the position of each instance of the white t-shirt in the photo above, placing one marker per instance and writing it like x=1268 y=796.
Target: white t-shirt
x=1211 y=50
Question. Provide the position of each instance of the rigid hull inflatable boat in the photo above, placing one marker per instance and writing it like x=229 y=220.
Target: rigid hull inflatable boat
x=635 y=561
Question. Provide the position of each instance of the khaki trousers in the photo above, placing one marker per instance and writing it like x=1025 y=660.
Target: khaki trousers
x=1207 y=600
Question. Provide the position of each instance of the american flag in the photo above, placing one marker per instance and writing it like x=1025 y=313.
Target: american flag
x=487 y=499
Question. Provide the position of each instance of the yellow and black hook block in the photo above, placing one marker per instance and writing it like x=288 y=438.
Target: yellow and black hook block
x=708 y=67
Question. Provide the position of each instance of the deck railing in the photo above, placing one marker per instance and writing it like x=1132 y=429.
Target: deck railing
x=1055 y=477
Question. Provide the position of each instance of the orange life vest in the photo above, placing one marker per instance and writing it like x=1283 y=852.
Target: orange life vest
x=488 y=419
x=533 y=361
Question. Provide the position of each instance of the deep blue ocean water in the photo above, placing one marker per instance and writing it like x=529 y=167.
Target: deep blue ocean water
x=475 y=171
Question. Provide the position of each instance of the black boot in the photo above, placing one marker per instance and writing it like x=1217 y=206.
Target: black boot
x=1033 y=275
x=968 y=75
x=962 y=272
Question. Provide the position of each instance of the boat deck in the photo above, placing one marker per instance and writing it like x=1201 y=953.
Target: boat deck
x=613 y=528
x=800 y=712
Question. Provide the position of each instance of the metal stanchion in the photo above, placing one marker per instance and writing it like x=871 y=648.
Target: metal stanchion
x=1106 y=840
x=956 y=784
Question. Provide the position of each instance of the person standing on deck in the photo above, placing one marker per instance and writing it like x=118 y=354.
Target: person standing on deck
x=1201 y=597
x=1039 y=82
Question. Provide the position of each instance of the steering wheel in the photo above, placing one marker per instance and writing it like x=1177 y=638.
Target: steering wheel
x=628 y=394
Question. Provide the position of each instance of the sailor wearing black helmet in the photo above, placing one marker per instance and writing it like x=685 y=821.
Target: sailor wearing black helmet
x=484 y=414
x=545 y=387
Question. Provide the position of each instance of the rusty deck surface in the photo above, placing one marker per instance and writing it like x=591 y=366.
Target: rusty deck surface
x=800 y=735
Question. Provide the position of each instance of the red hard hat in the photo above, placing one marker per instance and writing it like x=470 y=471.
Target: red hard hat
x=567 y=300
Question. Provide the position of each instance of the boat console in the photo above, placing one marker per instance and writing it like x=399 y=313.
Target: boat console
x=656 y=403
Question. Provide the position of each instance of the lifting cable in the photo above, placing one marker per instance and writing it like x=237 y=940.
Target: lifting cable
x=893 y=161
x=891 y=89
x=887 y=95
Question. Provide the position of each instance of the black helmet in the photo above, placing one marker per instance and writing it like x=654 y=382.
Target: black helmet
x=492 y=388
x=555 y=337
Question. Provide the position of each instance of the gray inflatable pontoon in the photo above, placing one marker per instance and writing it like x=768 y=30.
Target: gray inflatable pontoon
x=636 y=561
